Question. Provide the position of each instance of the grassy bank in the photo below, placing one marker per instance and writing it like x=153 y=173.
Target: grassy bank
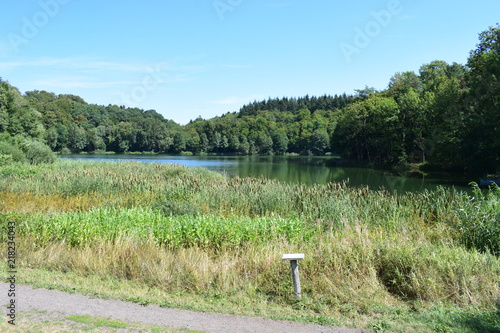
x=195 y=239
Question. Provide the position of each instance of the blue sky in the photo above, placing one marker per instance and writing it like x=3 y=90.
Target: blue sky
x=190 y=58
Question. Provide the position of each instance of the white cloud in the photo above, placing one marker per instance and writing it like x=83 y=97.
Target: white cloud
x=79 y=63
x=78 y=82
x=90 y=73
x=89 y=65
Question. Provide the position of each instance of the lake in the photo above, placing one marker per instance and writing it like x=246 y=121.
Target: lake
x=299 y=169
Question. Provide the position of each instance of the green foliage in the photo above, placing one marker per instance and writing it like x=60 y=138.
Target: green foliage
x=5 y=159
x=179 y=143
x=481 y=142
x=38 y=153
x=80 y=229
x=280 y=142
x=479 y=221
x=265 y=132
x=79 y=126
x=12 y=150
x=369 y=130
x=17 y=116
x=320 y=142
x=294 y=105
x=21 y=149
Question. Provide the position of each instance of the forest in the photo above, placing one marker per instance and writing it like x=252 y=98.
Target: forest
x=445 y=116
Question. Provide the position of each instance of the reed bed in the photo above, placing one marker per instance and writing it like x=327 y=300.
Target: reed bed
x=177 y=190
x=195 y=231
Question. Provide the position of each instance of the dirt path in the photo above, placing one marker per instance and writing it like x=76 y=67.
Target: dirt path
x=29 y=299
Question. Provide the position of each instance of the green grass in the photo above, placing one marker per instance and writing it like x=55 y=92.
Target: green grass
x=376 y=260
x=53 y=322
x=98 y=321
x=112 y=224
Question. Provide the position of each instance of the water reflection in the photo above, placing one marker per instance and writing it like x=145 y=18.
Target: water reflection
x=303 y=170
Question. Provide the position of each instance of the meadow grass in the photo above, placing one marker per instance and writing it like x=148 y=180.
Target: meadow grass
x=377 y=260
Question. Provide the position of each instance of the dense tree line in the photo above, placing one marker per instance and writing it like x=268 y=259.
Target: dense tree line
x=67 y=123
x=73 y=124
x=293 y=105
x=446 y=115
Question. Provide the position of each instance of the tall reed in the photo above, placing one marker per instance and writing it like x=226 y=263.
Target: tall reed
x=193 y=230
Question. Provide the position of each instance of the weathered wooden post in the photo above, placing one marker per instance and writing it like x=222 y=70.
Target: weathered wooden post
x=293 y=257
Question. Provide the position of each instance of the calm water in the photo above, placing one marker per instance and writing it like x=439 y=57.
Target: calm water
x=305 y=170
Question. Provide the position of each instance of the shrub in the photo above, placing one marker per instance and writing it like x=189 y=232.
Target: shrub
x=98 y=152
x=12 y=150
x=38 y=153
x=65 y=151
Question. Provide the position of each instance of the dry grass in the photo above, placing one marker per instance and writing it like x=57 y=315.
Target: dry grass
x=352 y=264
x=369 y=254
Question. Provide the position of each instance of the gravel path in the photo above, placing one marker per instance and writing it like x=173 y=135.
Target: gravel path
x=29 y=299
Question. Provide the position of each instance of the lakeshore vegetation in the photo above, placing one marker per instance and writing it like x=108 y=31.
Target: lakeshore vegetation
x=194 y=238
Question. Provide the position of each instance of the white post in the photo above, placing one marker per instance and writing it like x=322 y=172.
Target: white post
x=293 y=257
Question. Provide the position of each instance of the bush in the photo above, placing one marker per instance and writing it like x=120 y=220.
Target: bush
x=12 y=150
x=38 y=153
x=65 y=151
